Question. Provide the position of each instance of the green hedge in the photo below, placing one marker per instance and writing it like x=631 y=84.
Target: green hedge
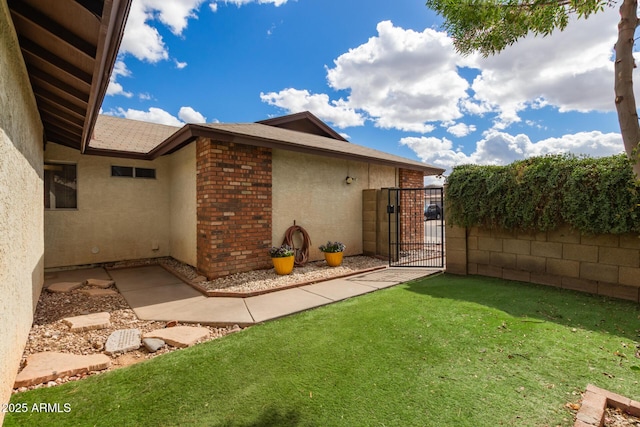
x=592 y=195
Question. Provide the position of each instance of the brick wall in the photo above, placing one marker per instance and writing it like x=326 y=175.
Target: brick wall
x=601 y=264
x=412 y=204
x=233 y=207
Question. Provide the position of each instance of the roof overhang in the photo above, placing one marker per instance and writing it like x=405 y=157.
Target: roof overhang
x=69 y=48
x=260 y=135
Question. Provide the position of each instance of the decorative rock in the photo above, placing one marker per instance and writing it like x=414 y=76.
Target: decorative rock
x=99 y=283
x=171 y=324
x=179 y=336
x=199 y=279
x=98 y=292
x=153 y=344
x=61 y=287
x=123 y=340
x=235 y=328
x=48 y=366
x=88 y=322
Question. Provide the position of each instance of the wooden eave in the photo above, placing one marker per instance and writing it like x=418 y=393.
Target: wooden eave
x=69 y=49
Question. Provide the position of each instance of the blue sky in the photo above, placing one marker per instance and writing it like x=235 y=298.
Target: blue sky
x=384 y=74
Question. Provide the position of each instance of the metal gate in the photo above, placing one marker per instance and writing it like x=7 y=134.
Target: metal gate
x=416 y=227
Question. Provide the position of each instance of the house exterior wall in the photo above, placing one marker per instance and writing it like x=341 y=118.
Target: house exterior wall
x=233 y=207
x=600 y=264
x=21 y=204
x=118 y=218
x=312 y=191
x=183 y=205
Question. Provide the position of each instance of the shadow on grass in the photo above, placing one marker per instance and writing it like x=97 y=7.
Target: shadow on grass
x=270 y=417
x=528 y=300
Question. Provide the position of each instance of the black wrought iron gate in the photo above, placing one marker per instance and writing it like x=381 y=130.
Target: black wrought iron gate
x=416 y=227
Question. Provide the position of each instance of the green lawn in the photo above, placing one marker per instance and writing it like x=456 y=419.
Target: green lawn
x=443 y=351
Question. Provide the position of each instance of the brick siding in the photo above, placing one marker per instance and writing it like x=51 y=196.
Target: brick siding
x=234 y=206
x=412 y=205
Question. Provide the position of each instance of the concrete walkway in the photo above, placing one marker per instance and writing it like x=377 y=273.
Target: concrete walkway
x=155 y=294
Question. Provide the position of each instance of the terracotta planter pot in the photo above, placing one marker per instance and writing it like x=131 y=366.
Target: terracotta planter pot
x=283 y=265
x=334 y=259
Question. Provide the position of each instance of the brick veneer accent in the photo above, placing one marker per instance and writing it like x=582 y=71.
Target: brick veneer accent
x=233 y=207
x=412 y=209
x=599 y=264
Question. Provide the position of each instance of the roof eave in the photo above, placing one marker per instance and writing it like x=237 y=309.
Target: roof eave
x=190 y=132
x=112 y=26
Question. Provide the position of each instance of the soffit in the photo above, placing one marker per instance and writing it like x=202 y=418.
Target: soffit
x=69 y=48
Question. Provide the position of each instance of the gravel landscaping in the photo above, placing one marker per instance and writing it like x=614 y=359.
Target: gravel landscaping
x=50 y=333
x=261 y=280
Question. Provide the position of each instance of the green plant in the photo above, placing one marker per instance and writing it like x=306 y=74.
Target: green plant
x=281 y=251
x=592 y=195
x=332 y=247
x=443 y=351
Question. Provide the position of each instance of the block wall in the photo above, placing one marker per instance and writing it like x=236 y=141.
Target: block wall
x=234 y=205
x=599 y=264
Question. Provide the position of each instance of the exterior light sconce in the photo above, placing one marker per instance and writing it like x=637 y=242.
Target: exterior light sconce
x=350 y=179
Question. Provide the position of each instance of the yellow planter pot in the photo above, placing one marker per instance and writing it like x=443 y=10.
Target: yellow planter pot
x=283 y=265
x=334 y=259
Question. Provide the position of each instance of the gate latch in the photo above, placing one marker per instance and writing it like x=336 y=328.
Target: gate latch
x=391 y=209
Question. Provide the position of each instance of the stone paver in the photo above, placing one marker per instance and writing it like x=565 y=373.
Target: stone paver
x=98 y=292
x=61 y=287
x=179 y=336
x=88 y=322
x=153 y=344
x=100 y=283
x=79 y=275
x=123 y=340
x=48 y=366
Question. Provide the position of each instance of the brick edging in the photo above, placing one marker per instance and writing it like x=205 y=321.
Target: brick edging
x=210 y=293
x=596 y=400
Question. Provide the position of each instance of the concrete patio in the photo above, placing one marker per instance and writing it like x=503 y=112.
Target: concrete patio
x=155 y=294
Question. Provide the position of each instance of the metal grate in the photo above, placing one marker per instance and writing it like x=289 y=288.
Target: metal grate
x=416 y=227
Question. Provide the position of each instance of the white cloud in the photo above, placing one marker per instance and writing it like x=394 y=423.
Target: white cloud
x=461 y=129
x=189 y=115
x=158 y=115
x=143 y=40
x=570 y=70
x=500 y=148
x=115 y=88
x=214 y=7
x=294 y=101
x=244 y=2
x=403 y=79
x=180 y=65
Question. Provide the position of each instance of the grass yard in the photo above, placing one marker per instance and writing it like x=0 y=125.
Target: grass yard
x=443 y=351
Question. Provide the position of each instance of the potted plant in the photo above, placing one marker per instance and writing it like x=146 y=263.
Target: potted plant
x=282 y=258
x=333 y=252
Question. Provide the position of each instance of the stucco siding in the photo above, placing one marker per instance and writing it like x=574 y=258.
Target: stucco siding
x=117 y=218
x=183 y=205
x=312 y=191
x=21 y=223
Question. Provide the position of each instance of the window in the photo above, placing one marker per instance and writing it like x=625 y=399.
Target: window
x=131 y=172
x=145 y=173
x=60 y=186
x=121 y=171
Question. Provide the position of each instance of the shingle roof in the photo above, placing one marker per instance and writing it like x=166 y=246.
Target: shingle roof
x=120 y=137
x=285 y=139
x=118 y=134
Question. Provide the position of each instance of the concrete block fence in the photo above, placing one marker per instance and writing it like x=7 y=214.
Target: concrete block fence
x=598 y=264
